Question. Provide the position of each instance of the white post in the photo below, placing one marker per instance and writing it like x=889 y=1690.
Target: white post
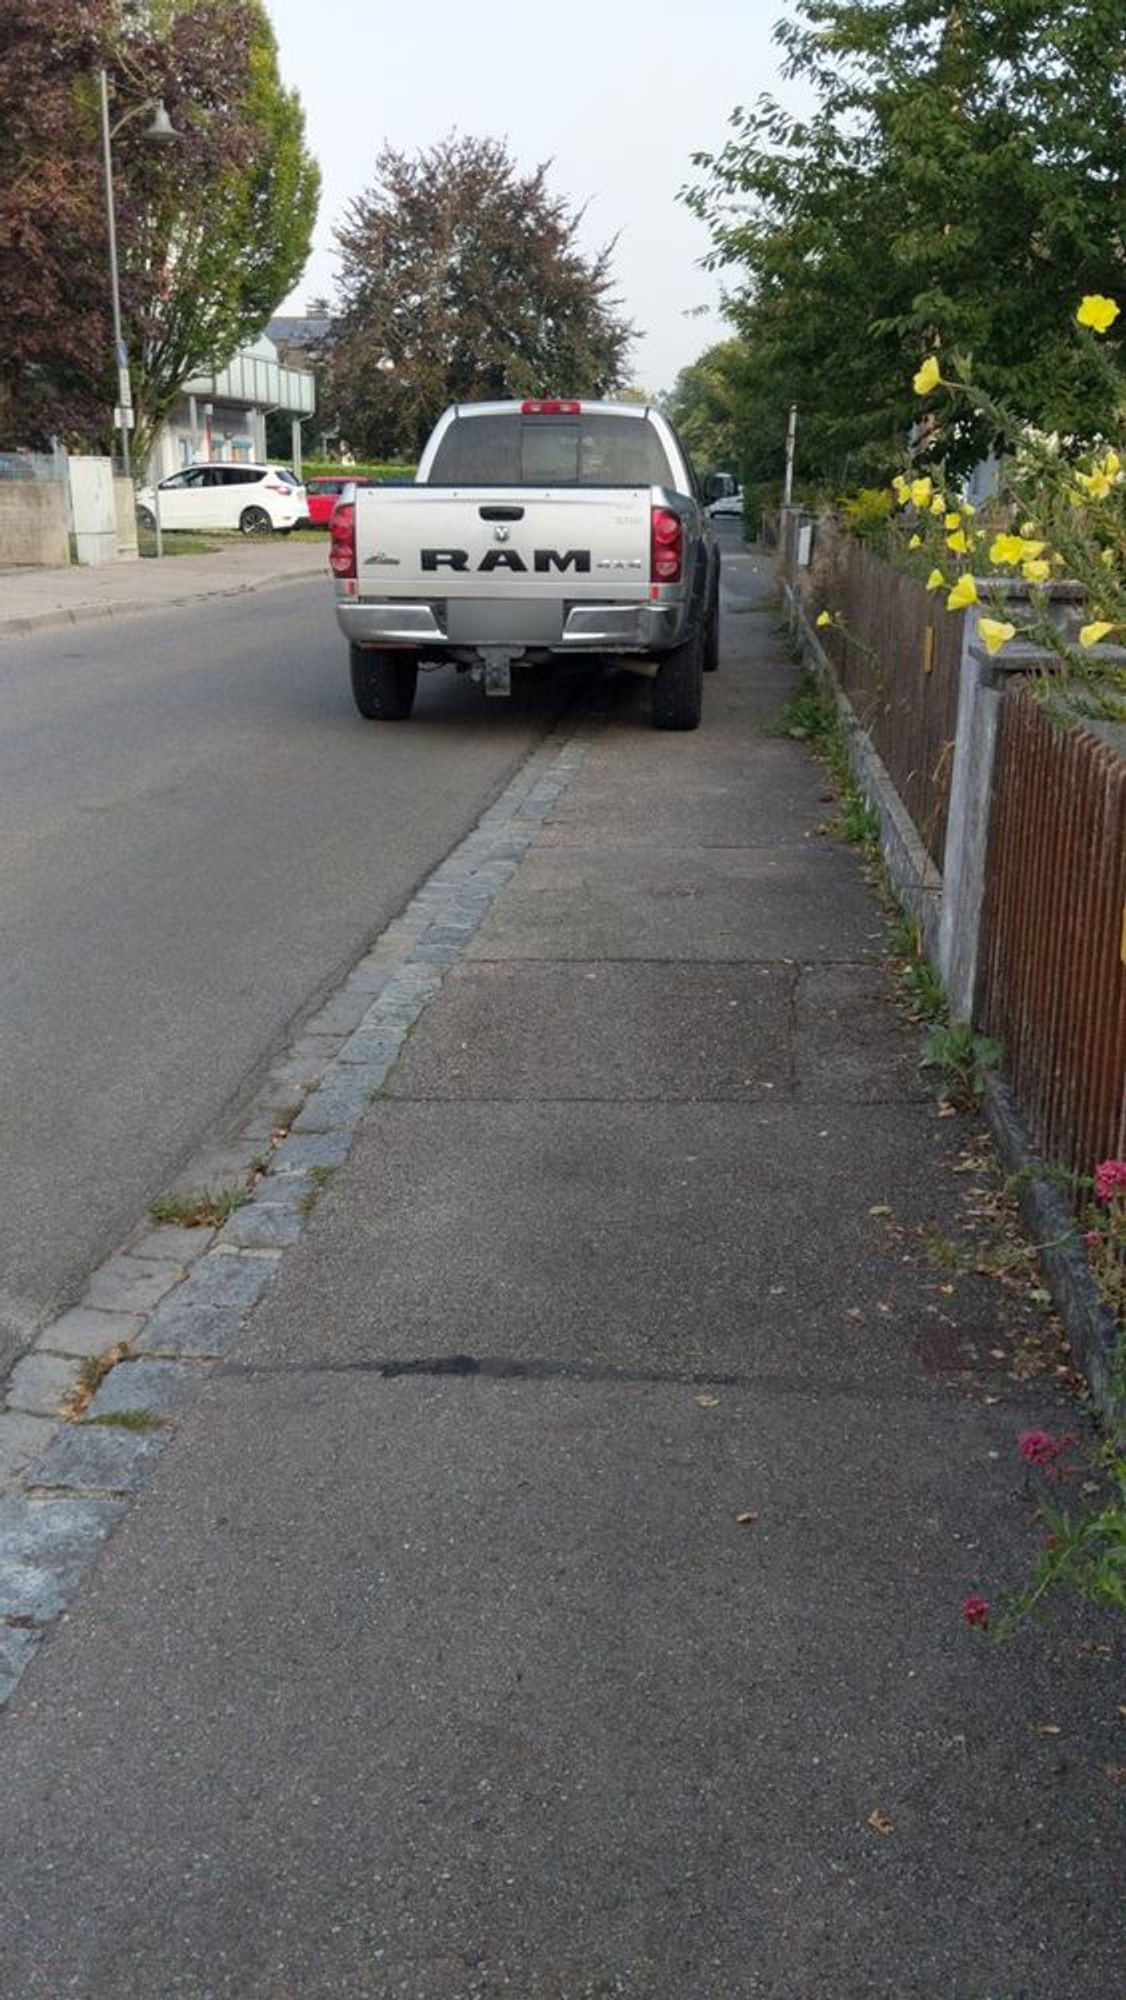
x=791 y=440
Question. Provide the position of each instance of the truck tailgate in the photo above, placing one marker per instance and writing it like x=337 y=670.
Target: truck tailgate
x=518 y=545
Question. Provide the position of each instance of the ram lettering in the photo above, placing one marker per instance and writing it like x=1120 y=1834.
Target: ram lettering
x=542 y=560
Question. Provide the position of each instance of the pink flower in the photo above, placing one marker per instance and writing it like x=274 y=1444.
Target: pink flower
x=1110 y=1180
x=975 y=1611
x=1092 y=1239
x=1039 y=1447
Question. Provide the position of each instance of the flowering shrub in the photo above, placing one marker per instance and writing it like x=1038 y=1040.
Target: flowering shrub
x=1060 y=514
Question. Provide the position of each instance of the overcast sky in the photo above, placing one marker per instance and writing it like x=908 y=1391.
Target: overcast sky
x=617 y=93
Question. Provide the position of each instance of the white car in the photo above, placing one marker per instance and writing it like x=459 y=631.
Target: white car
x=257 y=499
x=728 y=506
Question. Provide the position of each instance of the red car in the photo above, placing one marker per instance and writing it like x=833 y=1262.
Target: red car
x=323 y=494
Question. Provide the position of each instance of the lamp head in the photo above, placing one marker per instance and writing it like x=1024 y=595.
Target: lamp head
x=162 y=128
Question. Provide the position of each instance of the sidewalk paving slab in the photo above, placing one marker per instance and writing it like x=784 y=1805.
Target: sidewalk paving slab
x=32 y=599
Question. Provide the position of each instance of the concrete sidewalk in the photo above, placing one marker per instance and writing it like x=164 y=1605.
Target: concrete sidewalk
x=556 y=1591
x=33 y=598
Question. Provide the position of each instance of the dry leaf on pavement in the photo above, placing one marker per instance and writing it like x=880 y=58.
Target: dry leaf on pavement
x=880 y=1823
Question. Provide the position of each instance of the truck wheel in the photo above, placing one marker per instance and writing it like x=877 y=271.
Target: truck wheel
x=383 y=683
x=711 y=634
x=678 y=687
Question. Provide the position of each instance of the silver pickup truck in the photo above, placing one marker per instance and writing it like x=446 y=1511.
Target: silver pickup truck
x=534 y=530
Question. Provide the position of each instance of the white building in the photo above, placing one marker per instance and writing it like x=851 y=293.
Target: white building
x=223 y=416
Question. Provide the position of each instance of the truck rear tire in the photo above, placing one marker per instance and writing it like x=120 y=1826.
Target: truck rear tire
x=711 y=633
x=383 y=683
x=678 y=686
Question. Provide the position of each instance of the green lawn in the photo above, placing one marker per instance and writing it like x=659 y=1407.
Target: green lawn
x=182 y=542
x=186 y=542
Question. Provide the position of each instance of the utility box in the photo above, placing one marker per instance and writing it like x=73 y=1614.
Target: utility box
x=93 y=509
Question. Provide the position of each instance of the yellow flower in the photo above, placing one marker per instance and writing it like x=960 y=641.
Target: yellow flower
x=957 y=542
x=824 y=618
x=921 y=490
x=1031 y=550
x=901 y=488
x=969 y=509
x=1095 y=483
x=1006 y=549
x=1028 y=527
x=1096 y=630
x=936 y=580
x=1036 y=572
x=938 y=504
x=916 y=542
x=1112 y=465
x=1106 y=557
x=952 y=521
x=996 y=632
x=963 y=593
x=929 y=375
x=1095 y=311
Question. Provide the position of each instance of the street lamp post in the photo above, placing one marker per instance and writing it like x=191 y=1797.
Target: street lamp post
x=159 y=131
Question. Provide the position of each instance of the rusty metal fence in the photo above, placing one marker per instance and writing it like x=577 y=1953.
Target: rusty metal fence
x=897 y=652
x=1054 y=977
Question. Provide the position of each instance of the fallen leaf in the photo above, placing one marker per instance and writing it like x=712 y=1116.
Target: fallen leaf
x=745 y=1520
x=880 y=1823
x=947 y=1111
x=1047 y=1729
x=997 y=1354
x=992 y=1399
x=881 y=1208
x=707 y=1402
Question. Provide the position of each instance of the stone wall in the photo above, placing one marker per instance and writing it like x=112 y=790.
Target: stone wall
x=33 y=527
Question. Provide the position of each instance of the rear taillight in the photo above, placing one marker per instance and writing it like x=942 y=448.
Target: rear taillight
x=666 y=545
x=342 y=539
x=553 y=409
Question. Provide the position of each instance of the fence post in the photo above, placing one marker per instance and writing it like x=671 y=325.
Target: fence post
x=967 y=824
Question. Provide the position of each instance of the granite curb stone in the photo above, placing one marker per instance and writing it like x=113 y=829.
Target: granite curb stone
x=151 y=1388
x=23 y=1439
x=41 y=1530
x=131 y=1284
x=92 y=1458
x=40 y=1383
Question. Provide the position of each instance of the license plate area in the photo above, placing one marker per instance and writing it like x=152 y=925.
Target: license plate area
x=504 y=621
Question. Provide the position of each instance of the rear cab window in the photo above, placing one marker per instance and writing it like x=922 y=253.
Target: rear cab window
x=510 y=449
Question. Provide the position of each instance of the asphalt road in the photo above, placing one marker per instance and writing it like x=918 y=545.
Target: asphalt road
x=198 y=836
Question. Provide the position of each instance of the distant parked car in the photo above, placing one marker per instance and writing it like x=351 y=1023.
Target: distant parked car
x=729 y=504
x=324 y=493
x=258 y=499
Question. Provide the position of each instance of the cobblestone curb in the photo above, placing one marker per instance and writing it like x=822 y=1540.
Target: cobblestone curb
x=164 y=1308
